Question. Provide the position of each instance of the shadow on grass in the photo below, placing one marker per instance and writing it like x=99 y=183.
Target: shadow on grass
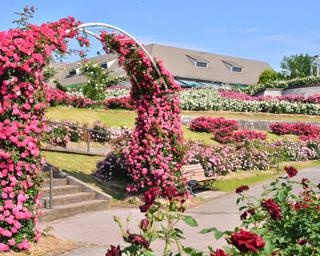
x=115 y=188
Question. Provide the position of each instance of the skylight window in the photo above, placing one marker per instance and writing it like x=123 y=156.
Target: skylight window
x=198 y=61
x=236 y=69
x=72 y=72
x=201 y=64
x=104 y=65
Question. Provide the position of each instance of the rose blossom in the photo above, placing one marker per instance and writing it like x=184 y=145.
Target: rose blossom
x=114 y=251
x=291 y=171
x=246 y=241
x=241 y=189
x=273 y=208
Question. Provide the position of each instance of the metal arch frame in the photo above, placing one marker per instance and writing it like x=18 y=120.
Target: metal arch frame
x=315 y=63
x=85 y=28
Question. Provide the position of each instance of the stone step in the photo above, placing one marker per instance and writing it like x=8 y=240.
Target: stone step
x=55 y=182
x=62 y=211
x=60 y=190
x=68 y=199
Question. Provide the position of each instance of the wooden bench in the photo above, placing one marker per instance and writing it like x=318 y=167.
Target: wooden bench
x=194 y=173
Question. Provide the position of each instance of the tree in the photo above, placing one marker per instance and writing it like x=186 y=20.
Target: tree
x=297 y=65
x=269 y=75
x=98 y=80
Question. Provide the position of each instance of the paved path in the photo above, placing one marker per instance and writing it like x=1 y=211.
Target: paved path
x=99 y=230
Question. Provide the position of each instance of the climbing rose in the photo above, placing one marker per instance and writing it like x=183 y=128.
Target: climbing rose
x=246 y=241
x=273 y=208
x=137 y=240
x=219 y=252
x=241 y=189
x=114 y=251
x=291 y=171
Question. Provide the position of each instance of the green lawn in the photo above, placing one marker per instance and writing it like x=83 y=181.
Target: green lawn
x=89 y=116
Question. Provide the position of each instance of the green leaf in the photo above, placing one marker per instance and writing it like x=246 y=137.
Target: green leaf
x=192 y=251
x=217 y=234
x=189 y=220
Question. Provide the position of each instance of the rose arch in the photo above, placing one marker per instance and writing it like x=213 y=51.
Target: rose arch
x=154 y=155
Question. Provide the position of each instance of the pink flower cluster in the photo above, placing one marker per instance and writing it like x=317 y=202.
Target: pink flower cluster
x=58 y=97
x=305 y=131
x=224 y=130
x=211 y=124
x=23 y=56
x=120 y=102
x=229 y=94
x=155 y=153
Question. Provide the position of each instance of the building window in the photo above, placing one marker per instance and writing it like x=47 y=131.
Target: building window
x=72 y=72
x=236 y=69
x=201 y=64
x=104 y=65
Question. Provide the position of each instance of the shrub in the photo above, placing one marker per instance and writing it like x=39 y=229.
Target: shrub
x=210 y=124
x=242 y=135
x=304 y=130
x=99 y=132
x=121 y=102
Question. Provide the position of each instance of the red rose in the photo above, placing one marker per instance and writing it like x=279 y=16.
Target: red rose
x=148 y=197
x=245 y=214
x=291 y=171
x=219 y=252
x=302 y=241
x=246 y=241
x=114 y=251
x=241 y=189
x=137 y=240
x=273 y=208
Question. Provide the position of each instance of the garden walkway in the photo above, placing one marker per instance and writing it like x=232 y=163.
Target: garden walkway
x=97 y=229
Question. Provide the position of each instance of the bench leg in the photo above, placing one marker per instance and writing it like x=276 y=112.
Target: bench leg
x=191 y=191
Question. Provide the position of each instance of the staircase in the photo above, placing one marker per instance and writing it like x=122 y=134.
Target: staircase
x=71 y=196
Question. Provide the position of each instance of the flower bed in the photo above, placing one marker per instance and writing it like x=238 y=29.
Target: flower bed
x=224 y=131
x=209 y=99
x=305 y=131
x=120 y=102
x=221 y=160
x=58 y=97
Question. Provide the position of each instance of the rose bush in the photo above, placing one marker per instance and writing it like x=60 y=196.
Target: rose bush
x=120 y=102
x=284 y=220
x=305 y=131
x=224 y=131
x=23 y=55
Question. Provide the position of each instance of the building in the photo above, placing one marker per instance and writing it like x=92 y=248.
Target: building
x=189 y=67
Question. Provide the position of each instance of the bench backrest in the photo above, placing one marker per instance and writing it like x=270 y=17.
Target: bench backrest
x=195 y=172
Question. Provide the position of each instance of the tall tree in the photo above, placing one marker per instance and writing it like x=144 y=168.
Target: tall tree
x=297 y=65
x=269 y=75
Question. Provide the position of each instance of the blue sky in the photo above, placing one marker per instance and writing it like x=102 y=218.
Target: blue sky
x=263 y=30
